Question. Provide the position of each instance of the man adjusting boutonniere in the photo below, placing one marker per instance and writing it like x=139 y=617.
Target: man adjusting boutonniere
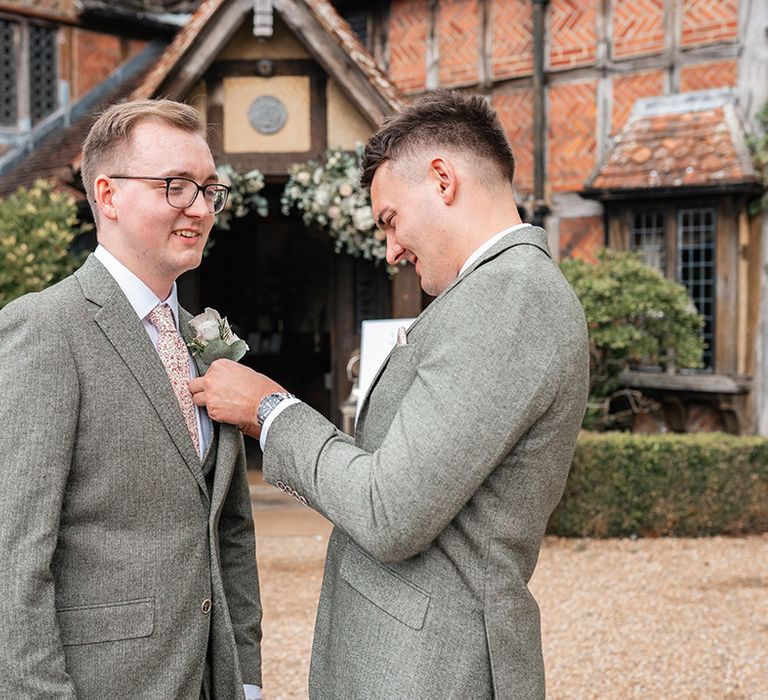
x=463 y=441
x=214 y=339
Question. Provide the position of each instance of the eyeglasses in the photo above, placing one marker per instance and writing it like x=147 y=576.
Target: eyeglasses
x=181 y=192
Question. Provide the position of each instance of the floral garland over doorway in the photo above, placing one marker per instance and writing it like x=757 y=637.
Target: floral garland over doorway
x=243 y=197
x=327 y=194
x=330 y=196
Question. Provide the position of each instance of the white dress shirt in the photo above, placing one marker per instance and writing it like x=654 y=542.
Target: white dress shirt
x=143 y=300
x=472 y=258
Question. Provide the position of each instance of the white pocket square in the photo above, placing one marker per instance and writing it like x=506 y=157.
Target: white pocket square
x=402 y=338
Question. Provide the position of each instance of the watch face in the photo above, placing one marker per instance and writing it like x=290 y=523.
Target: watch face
x=268 y=404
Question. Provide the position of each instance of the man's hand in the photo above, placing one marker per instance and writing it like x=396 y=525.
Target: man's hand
x=232 y=393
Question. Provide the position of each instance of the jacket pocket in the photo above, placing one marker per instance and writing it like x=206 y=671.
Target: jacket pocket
x=107 y=622
x=382 y=587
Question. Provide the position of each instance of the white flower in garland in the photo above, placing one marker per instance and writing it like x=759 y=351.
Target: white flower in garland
x=243 y=197
x=331 y=197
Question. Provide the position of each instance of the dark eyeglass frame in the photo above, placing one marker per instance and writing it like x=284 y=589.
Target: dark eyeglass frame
x=168 y=180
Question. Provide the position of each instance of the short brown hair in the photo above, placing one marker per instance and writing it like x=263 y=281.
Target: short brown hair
x=112 y=130
x=441 y=118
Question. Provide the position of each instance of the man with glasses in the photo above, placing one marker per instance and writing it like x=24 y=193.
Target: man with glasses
x=126 y=533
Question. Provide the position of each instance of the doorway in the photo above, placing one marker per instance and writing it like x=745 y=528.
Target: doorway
x=271 y=278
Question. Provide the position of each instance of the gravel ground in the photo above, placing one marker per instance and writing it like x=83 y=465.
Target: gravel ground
x=654 y=619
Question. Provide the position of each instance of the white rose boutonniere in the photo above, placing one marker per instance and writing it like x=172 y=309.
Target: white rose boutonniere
x=214 y=339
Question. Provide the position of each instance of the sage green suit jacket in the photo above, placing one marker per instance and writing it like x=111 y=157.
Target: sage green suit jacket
x=112 y=531
x=462 y=449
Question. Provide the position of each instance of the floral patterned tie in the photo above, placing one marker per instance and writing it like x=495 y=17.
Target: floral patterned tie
x=175 y=358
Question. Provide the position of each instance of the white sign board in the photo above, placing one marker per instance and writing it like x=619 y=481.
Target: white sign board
x=377 y=338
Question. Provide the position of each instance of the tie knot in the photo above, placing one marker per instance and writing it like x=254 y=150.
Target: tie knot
x=162 y=318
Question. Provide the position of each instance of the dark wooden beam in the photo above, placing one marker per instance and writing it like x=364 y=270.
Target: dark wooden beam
x=191 y=67
x=334 y=59
x=698 y=382
x=406 y=293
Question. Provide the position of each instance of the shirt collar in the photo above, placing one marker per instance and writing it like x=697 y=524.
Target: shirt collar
x=485 y=246
x=139 y=296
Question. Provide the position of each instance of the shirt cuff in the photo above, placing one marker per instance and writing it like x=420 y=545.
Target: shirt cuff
x=274 y=413
x=252 y=692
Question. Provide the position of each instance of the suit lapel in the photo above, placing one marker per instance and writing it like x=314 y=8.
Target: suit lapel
x=532 y=235
x=227 y=449
x=119 y=323
x=186 y=332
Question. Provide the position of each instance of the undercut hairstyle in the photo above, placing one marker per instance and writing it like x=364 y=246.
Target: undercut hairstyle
x=462 y=122
x=111 y=132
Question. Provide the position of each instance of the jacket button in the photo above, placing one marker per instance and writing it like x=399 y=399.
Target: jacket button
x=206 y=606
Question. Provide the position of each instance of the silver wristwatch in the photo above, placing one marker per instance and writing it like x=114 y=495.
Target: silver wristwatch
x=269 y=403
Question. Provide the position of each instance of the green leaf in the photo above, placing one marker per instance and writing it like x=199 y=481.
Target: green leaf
x=634 y=315
x=237 y=350
x=37 y=227
x=215 y=350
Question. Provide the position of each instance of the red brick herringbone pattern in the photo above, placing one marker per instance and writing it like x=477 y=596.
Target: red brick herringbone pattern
x=627 y=89
x=458 y=27
x=512 y=27
x=572 y=141
x=573 y=33
x=581 y=238
x=515 y=110
x=95 y=56
x=709 y=21
x=408 y=44
x=638 y=27
x=704 y=76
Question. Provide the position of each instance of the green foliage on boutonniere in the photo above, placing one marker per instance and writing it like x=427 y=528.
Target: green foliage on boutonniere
x=214 y=339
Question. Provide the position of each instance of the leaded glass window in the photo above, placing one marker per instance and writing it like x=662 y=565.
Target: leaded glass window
x=648 y=236
x=42 y=72
x=696 y=267
x=8 y=100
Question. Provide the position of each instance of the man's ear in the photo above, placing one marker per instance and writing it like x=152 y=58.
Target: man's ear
x=443 y=173
x=104 y=194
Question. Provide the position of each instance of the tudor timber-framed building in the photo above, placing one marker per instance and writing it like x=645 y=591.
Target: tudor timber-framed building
x=564 y=76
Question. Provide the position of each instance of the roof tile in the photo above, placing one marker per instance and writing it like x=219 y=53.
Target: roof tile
x=693 y=140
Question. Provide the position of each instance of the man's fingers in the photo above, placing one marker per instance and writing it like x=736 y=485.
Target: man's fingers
x=197 y=389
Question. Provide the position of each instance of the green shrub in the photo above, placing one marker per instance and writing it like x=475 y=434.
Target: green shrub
x=682 y=485
x=37 y=227
x=635 y=316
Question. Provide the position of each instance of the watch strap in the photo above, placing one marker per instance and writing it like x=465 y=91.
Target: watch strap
x=269 y=403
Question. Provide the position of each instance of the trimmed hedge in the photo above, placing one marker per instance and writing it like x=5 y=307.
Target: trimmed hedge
x=653 y=485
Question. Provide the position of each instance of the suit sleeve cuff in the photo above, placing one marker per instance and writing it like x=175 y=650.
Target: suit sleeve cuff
x=276 y=411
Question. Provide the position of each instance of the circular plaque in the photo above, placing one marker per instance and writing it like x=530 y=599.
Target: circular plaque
x=267 y=114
